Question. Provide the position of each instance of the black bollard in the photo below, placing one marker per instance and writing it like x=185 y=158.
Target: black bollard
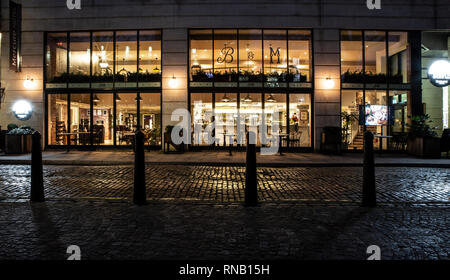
x=251 y=183
x=369 y=193
x=139 y=194
x=37 y=177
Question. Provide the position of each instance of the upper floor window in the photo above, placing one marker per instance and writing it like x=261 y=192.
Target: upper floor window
x=249 y=58
x=375 y=58
x=103 y=59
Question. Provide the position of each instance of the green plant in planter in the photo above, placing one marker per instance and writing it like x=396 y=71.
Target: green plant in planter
x=297 y=78
x=71 y=78
x=147 y=77
x=231 y=76
x=347 y=120
x=420 y=128
x=360 y=77
x=23 y=130
x=251 y=76
x=105 y=78
x=202 y=76
x=12 y=126
x=275 y=77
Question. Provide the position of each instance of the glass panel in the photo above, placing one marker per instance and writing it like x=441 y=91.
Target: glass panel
x=250 y=57
x=399 y=58
x=375 y=57
x=352 y=132
x=226 y=115
x=377 y=117
x=201 y=54
x=56 y=58
x=150 y=57
x=275 y=104
x=151 y=118
x=250 y=115
x=398 y=100
x=275 y=57
x=102 y=57
x=79 y=57
x=225 y=56
x=103 y=119
x=202 y=116
x=299 y=56
x=351 y=57
x=299 y=120
x=126 y=118
x=126 y=58
x=57 y=119
x=80 y=118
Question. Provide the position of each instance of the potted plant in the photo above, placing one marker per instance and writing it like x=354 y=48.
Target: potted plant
x=347 y=120
x=422 y=140
x=18 y=140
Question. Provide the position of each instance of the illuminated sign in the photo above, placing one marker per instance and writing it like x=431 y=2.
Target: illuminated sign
x=22 y=110
x=439 y=73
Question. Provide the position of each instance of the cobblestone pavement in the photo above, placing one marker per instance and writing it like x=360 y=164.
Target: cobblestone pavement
x=114 y=229
x=226 y=184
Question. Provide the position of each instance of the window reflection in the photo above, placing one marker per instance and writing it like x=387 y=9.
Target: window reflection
x=80 y=118
x=126 y=118
x=150 y=111
x=149 y=58
x=225 y=57
x=56 y=58
x=103 y=119
x=57 y=119
x=399 y=58
x=226 y=115
x=299 y=120
x=79 y=58
x=126 y=59
x=102 y=57
x=202 y=116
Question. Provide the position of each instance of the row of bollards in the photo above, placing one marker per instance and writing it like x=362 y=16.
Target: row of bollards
x=251 y=180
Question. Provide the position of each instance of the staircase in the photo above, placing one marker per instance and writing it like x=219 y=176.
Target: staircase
x=358 y=142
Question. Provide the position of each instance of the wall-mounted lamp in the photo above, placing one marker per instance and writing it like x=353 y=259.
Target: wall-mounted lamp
x=173 y=83
x=329 y=83
x=29 y=83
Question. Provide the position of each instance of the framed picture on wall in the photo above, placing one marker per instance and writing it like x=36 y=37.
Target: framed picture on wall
x=304 y=115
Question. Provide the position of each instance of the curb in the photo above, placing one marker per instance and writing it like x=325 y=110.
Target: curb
x=264 y=164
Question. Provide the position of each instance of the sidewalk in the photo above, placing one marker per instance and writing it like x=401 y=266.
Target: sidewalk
x=221 y=158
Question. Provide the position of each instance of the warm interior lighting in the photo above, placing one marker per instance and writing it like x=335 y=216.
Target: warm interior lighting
x=247 y=98
x=173 y=83
x=138 y=98
x=29 y=83
x=226 y=98
x=329 y=83
x=118 y=99
x=96 y=99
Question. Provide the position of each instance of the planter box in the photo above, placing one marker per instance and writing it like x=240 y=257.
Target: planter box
x=425 y=147
x=18 y=144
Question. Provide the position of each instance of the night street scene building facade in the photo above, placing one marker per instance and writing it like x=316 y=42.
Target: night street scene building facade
x=320 y=77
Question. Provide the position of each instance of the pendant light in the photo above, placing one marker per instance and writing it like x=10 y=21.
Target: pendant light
x=247 y=98
x=138 y=99
x=118 y=99
x=226 y=98
x=96 y=99
x=271 y=99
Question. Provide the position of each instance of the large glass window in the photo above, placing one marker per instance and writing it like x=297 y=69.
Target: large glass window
x=275 y=111
x=102 y=59
x=58 y=118
x=299 y=120
x=150 y=118
x=399 y=58
x=375 y=58
x=250 y=58
x=202 y=117
x=126 y=59
x=201 y=57
x=56 y=58
x=126 y=118
x=226 y=116
x=103 y=120
x=250 y=115
x=80 y=118
x=247 y=57
x=94 y=51
x=79 y=59
x=150 y=58
x=351 y=57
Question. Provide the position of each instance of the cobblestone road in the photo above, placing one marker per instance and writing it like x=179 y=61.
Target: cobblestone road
x=111 y=229
x=226 y=184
